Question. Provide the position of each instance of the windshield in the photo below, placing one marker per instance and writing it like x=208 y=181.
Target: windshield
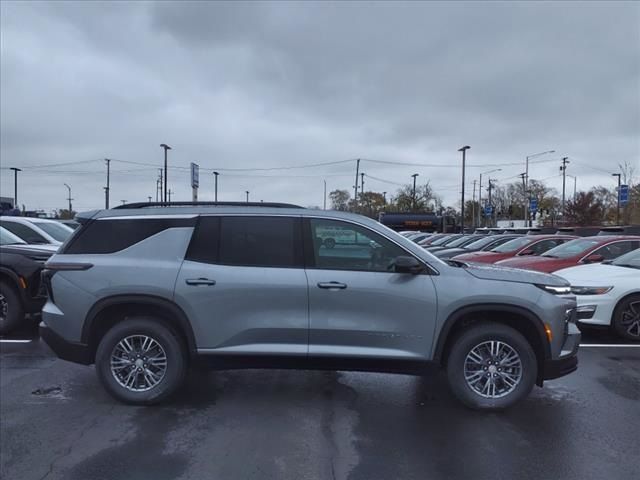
x=460 y=241
x=8 y=238
x=631 y=259
x=58 y=231
x=440 y=240
x=571 y=248
x=513 y=245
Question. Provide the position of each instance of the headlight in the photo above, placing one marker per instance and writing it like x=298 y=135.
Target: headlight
x=555 y=290
x=590 y=290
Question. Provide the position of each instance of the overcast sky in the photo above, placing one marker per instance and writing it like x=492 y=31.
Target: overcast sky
x=261 y=85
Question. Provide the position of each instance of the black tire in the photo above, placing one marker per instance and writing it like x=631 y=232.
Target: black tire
x=329 y=242
x=627 y=310
x=176 y=362
x=476 y=335
x=11 y=309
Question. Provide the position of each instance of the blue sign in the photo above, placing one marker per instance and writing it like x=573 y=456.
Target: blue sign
x=533 y=205
x=488 y=210
x=623 y=193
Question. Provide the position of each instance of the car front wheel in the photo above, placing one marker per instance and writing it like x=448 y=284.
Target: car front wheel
x=140 y=361
x=626 y=318
x=491 y=367
x=11 y=311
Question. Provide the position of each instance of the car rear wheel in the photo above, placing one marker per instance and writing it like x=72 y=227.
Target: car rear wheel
x=140 y=361
x=11 y=310
x=626 y=318
x=491 y=367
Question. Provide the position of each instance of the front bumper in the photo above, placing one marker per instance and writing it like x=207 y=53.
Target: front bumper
x=66 y=350
x=567 y=361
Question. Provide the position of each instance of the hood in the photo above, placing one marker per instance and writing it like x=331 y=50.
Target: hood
x=504 y=274
x=539 y=263
x=595 y=273
x=483 y=257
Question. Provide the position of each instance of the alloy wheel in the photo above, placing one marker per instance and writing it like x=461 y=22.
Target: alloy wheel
x=630 y=319
x=493 y=369
x=138 y=363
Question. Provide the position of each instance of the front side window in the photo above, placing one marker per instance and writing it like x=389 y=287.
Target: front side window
x=571 y=248
x=259 y=241
x=344 y=246
x=614 y=250
x=542 y=246
x=56 y=230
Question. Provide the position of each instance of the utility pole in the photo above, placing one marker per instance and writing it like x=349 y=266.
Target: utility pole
x=464 y=151
x=525 y=199
x=618 y=202
x=473 y=205
x=165 y=147
x=215 y=174
x=490 y=204
x=563 y=168
x=526 y=187
x=325 y=196
x=69 y=198
x=161 y=186
x=247 y=192
x=355 y=192
x=169 y=193
x=149 y=197
x=413 y=195
x=384 y=194
x=106 y=189
x=361 y=185
x=15 y=185
x=157 y=188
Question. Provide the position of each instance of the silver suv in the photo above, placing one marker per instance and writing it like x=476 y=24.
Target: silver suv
x=145 y=290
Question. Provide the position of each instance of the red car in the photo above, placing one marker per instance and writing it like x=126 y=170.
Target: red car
x=577 y=252
x=523 y=246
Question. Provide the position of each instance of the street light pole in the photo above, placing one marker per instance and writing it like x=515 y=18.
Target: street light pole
x=106 y=189
x=564 y=180
x=165 y=147
x=413 y=195
x=69 y=189
x=618 y=199
x=15 y=186
x=216 y=185
x=464 y=151
x=324 y=198
x=527 y=217
x=247 y=192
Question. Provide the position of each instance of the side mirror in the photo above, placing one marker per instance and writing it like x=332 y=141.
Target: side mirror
x=594 y=258
x=406 y=264
x=528 y=251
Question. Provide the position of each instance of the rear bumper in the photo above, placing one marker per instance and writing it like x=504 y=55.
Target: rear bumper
x=66 y=350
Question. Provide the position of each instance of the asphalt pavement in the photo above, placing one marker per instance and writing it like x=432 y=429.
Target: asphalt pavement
x=56 y=422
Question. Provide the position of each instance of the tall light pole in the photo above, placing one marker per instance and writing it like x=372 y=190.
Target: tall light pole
x=526 y=186
x=413 y=195
x=165 y=147
x=464 y=152
x=563 y=169
x=247 y=192
x=384 y=195
x=480 y=192
x=216 y=185
x=15 y=186
x=325 y=196
x=69 y=198
x=618 y=200
x=575 y=182
x=473 y=205
x=106 y=189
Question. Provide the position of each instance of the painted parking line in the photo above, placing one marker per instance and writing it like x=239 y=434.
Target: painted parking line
x=608 y=345
x=6 y=340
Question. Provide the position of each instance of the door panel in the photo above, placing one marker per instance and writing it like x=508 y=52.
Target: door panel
x=358 y=306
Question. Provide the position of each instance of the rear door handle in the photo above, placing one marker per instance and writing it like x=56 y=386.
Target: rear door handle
x=332 y=285
x=200 y=281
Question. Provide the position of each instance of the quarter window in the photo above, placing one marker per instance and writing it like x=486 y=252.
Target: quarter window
x=344 y=246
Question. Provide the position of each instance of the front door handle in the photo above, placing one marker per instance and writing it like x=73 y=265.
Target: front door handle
x=200 y=281
x=332 y=285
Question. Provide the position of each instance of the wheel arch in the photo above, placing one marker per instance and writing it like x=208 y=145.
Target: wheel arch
x=521 y=319
x=109 y=311
x=626 y=296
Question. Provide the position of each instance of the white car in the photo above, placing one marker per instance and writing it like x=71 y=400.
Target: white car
x=37 y=230
x=8 y=238
x=608 y=293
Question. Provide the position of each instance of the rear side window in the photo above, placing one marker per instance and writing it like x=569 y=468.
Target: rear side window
x=110 y=236
x=248 y=241
x=614 y=250
x=26 y=233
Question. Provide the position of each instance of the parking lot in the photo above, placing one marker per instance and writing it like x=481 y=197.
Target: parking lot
x=58 y=423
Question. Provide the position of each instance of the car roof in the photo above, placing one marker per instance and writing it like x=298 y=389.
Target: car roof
x=28 y=220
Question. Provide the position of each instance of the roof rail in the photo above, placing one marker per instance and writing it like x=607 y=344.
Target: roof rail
x=128 y=206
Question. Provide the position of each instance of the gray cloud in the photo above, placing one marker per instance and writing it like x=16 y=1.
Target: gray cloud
x=244 y=85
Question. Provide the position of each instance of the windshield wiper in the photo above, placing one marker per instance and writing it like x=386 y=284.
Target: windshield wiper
x=550 y=256
x=456 y=263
